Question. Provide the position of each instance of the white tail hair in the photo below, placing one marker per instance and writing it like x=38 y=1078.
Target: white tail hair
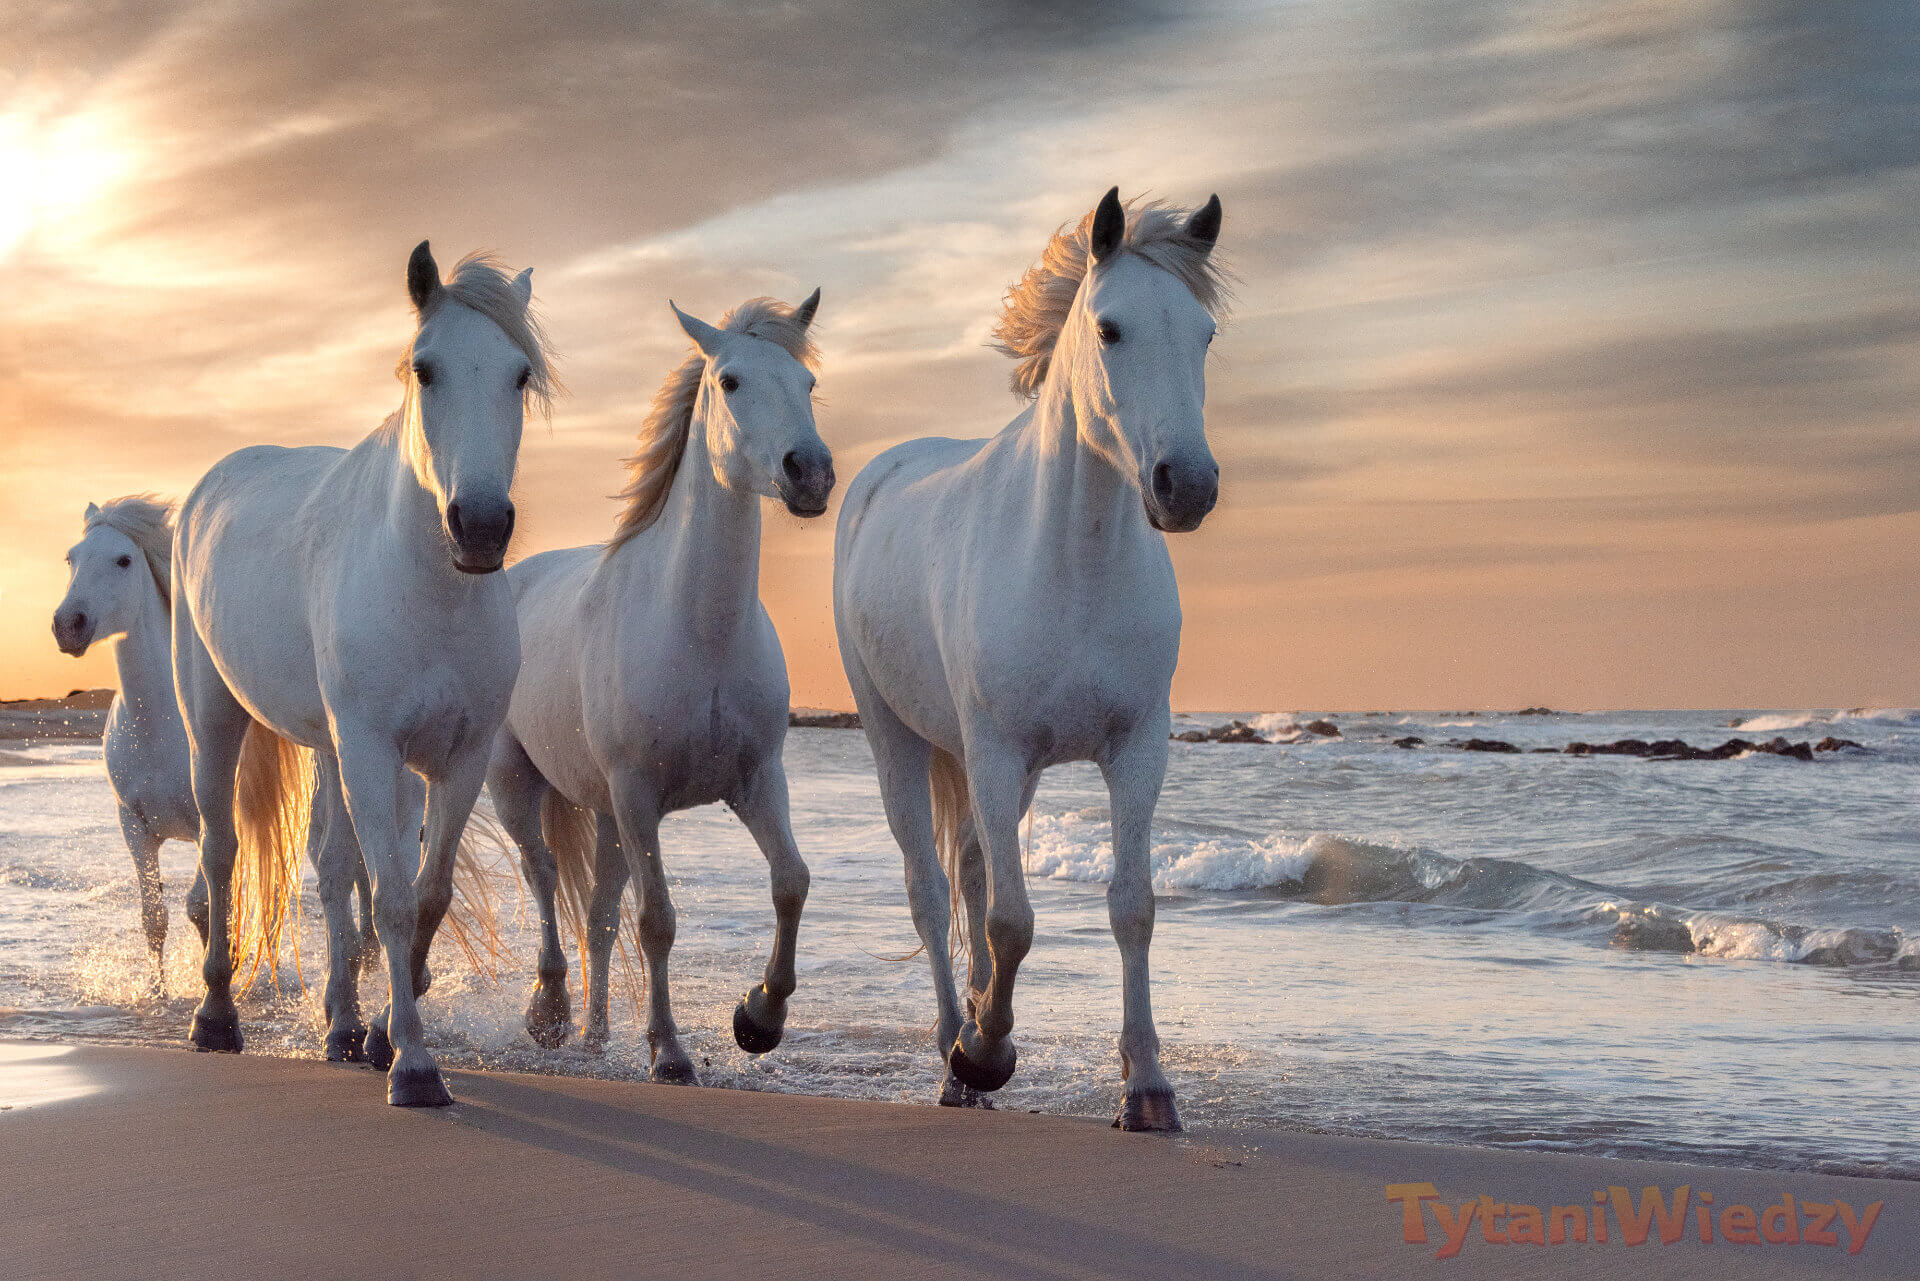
x=571 y=833
x=272 y=805
x=952 y=807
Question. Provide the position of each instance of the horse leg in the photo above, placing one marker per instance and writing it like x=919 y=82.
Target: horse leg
x=638 y=814
x=198 y=909
x=370 y=775
x=145 y=848
x=1133 y=776
x=450 y=801
x=761 y=1015
x=603 y=926
x=216 y=727
x=410 y=832
x=336 y=865
x=983 y=1054
x=973 y=887
x=901 y=759
x=367 y=955
x=518 y=790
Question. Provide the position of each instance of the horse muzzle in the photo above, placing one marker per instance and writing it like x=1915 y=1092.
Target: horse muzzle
x=1179 y=494
x=73 y=631
x=480 y=530
x=806 y=481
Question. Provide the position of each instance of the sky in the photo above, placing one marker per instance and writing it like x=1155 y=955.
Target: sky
x=1574 y=360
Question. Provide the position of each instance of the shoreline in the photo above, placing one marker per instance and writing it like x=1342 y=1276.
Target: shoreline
x=263 y=1166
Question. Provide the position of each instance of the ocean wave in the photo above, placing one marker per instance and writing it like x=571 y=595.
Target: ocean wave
x=1774 y=722
x=1334 y=870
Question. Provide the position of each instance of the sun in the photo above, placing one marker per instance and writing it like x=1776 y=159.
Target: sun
x=54 y=170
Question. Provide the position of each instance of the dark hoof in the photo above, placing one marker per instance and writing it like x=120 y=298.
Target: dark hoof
x=674 y=1071
x=417 y=1088
x=549 y=1018
x=379 y=1048
x=215 y=1033
x=347 y=1046
x=758 y=1030
x=978 y=1065
x=955 y=1093
x=594 y=1040
x=1148 y=1110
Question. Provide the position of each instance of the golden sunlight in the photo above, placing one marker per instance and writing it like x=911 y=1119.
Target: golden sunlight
x=53 y=170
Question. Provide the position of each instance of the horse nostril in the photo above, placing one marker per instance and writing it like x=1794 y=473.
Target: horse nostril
x=79 y=623
x=1163 y=482
x=506 y=534
x=453 y=521
x=791 y=468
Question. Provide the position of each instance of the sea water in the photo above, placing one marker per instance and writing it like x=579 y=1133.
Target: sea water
x=1706 y=960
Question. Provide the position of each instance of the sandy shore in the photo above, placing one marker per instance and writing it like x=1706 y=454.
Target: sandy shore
x=154 y=1163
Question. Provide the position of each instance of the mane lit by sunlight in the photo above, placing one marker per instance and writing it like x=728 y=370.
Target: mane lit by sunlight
x=53 y=170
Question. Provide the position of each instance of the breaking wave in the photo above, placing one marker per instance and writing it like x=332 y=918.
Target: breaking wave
x=1332 y=870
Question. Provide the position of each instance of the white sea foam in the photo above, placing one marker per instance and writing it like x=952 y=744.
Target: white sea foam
x=1276 y=727
x=1776 y=722
x=1075 y=847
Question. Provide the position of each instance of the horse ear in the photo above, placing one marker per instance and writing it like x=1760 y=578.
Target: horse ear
x=523 y=285
x=804 y=312
x=704 y=336
x=423 y=277
x=1109 y=226
x=1204 y=226
x=92 y=511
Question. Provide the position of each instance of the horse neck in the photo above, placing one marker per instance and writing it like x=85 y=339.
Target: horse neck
x=1080 y=499
x=706 y=561
x=144 y=657
x=412 y=515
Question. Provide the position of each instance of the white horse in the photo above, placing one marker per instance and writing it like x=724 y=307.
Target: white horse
x=347 y=600
x=653 y=680
x=122 y=591
x=1008 y=604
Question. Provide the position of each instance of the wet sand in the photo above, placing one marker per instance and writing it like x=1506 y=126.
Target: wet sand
x=122 y=1162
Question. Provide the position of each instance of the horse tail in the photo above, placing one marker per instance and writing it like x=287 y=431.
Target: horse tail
x=272 y=806
x=572 y=834
x=480 y=882
x=952 y=808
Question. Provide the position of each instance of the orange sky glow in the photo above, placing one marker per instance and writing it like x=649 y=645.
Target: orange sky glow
x=1575 y=357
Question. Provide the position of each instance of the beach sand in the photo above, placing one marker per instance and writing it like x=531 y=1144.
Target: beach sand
x=120 y=1162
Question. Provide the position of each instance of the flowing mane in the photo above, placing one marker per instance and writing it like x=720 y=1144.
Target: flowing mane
x=663 y=433
x=1037 y=307
x=483 y=284
x=148 y=521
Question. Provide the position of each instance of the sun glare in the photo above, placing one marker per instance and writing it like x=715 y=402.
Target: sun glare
x=52 y=171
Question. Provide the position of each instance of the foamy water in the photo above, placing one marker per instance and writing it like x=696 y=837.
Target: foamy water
x=1714 y=960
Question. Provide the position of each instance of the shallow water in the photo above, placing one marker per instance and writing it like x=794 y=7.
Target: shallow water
x=1352 y=938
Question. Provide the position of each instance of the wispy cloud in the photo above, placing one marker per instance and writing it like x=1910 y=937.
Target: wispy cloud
x=1555 y=320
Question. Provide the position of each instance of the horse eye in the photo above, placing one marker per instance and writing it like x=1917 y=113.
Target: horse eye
x=526 y=376
x=728 y=383
x=1109 y=332
x=124 y=561
x=424 y=373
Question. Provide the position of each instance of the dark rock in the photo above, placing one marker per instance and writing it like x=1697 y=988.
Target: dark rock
x=1485 y=745
x=1832 y=744
x=1410 y=742
x=1231 y=732
x=1653 y=934
x=1781 y=747
x=807 y=718
x=1536 y=711
x=1325 y=729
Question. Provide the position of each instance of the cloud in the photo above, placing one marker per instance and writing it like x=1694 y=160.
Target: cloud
x=1534 y=296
